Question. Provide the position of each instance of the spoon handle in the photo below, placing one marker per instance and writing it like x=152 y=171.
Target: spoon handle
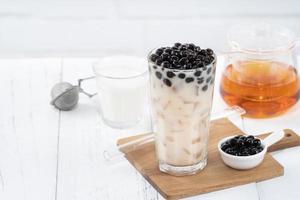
x=274 y=137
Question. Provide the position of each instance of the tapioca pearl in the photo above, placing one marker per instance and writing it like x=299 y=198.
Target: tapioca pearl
x=197 y=73
x=158 y=75
x=167 y=82
x=154 y=57
x=208 y=70
x=159 y=61
x=154 y=66
x=181 y=75
x=165 y=64
x=200 y=80
x=204 y=88
x=177 y=44
x=208 y=79
x=174 y=58
x=200 y=64
x=159 y=51
x=165 y=56
x=170 y=74
x=168 y=50
x=189 y=79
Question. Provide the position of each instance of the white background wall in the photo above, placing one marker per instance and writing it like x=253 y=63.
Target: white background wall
x=98 y=27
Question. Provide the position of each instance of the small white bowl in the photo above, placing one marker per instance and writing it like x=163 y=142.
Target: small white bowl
x=242 y=162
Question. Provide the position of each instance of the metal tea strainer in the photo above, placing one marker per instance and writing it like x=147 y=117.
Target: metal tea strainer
x=65 y=96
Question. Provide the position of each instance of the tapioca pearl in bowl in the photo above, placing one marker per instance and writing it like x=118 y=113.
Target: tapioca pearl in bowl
x=234 y=154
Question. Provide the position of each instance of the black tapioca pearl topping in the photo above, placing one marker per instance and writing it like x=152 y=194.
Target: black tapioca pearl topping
x=208 y=70
x=202 y=52
x=208 y=79
x=197 y=73
x=165 y=56
x=175 y=53
x=174 y=58
x=188 y=66
x=177 y=44
x=204 y=68
x=154 y=57
x=154 y=67
x=181 y=75
x=183 y=61
x=189 y=79
x=200 y=80
x=168 y=50
x=159 y=51
x=170 y=74
x=200 y=65
x=167 y=82
x=158 y=75
x=184 y=53
x=182 y=48
x=165 y=64
x=173 y=48
x=209 y=51
x=159 y=61
x=212 y=81
x=189 y=56
x=191 y=46
x=204 y=88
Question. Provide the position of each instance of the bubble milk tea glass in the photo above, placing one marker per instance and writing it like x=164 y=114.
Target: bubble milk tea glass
x=122 y=86
x=181 y=88
x=261 y=74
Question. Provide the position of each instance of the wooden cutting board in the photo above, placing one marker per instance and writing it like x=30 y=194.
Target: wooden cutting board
x=216 y=175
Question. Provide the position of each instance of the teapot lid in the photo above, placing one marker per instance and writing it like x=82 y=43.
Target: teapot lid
x=260 y=38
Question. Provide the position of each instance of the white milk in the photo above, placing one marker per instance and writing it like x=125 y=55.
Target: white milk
x=122 y=85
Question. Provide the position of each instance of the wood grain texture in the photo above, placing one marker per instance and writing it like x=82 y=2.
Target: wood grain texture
x=28 y=129
x=216 y=175
x=82 y=172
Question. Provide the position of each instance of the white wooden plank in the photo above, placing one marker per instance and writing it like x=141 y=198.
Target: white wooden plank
x=82 y=172
x=28 y=129
x=246 y=191
x=286 y=186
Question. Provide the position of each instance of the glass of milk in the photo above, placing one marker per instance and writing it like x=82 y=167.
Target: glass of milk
x=122 y=86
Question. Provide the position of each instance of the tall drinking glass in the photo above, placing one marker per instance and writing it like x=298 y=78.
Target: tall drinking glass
x=181 y=101
x=122 y=86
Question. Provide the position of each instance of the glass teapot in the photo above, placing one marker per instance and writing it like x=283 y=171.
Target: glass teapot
x=261 y=72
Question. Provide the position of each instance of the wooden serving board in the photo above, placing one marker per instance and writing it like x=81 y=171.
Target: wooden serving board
x=216 y=175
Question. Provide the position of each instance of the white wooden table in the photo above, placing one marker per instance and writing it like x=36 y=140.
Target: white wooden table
x=46 y=154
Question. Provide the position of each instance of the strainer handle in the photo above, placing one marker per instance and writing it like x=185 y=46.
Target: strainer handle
x=81 y=89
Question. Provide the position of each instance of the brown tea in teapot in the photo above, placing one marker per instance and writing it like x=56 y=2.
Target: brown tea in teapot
x=262 y=88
